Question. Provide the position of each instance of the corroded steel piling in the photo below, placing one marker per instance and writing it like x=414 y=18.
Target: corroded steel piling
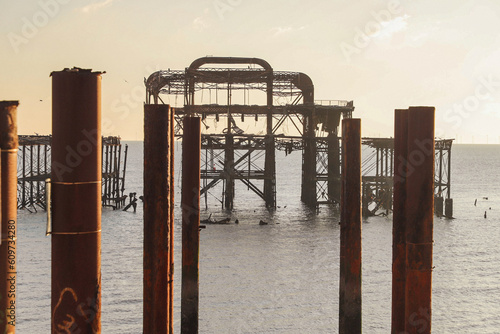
x=8 y=274
x=172 y=192
x=350 y=229
x=191 y=148
x=158 y=222
x=419 y=219
x=399 y=221
x=76 y=201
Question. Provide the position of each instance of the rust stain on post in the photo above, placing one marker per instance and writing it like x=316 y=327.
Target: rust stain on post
x=191 y=148
x=350 y=230
x=76 y=201
x=399 y=221
x=8 y=247
x=419 y=219
x=157 y=219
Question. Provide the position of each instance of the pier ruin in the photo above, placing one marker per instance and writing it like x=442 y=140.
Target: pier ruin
x=226 y=91
x=34 y=156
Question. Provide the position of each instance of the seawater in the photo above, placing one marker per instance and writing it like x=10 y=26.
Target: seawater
x=283 y=277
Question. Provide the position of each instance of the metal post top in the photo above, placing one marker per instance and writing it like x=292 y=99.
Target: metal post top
x=77 y=70
x=4 y=104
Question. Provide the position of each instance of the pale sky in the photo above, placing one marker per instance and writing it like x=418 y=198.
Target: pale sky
x=383 y=55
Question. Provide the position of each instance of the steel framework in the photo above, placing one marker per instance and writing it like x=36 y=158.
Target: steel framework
x=249 y=156
x=286 y=102
x=34 y=168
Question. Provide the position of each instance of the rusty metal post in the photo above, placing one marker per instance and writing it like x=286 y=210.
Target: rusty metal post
x=8 y=247
x=419 y=219
x=172 y=192
x=350 y=229
x=157 y=219
x=76 y=201
x=399 y=221
x=191 y=149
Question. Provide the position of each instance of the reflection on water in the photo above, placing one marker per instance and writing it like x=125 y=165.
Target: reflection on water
x=283 y=277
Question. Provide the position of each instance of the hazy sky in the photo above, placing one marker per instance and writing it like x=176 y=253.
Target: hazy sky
x=381 y=54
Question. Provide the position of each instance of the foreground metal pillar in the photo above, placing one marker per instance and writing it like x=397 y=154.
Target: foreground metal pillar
x=399 y=221
x=8 y=247
x=76 y=201
x=350 y=229
x=172 y=192
x=419 y=219
x=158 y=223
x=191 y=149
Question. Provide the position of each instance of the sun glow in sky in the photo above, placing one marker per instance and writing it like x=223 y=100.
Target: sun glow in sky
x=383 y=55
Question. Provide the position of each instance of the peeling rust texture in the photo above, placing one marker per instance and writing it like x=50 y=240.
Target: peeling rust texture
x=8 y=246
x=191 y=148
x=76 y=201
x=399 y=221
x=350 y=229
x=419 y=219
x=158 y=222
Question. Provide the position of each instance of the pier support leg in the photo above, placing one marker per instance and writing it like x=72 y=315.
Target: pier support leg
x=270 y=173
x=449 y=208
x=399 y=221
x=229 y=172
x=419 y=219
x=350 y=229
x=308 y=195
x=333 y=168
x=191 y=148
x=158 y=222
x=76 y=201
x=8 y=246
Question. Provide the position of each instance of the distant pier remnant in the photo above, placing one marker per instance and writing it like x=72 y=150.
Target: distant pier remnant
x=350 y=229
x=158 y=220
x=191 y=149
x=76 y=172
x=34 y=167
x=8 y=246
x=413 y=220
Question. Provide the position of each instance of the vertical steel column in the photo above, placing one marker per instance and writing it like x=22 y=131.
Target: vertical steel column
x=172 y=193
x=76 y=201
x=308 y=195
x=419 y=219
x=333 y=167
x=229 y=172
x=270 y=159
x=449 y=201
x=8 y=246
x=350 y=229
x=124 y=169
x=191 y=149
x=157 y=219
x=399 y=221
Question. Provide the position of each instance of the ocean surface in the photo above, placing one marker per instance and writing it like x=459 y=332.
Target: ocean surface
x=283 y=277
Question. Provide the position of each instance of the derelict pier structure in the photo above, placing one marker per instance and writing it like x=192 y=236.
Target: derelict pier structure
x=34 y=167
x=226 y=91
